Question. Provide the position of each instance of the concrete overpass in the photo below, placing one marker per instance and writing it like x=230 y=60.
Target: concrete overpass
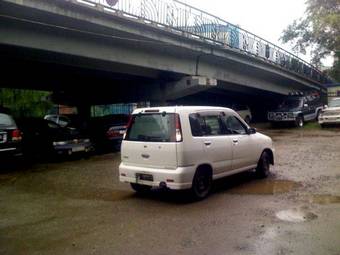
x=115 y=54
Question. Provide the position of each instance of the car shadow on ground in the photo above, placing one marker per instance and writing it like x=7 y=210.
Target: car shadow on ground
x=221 y=186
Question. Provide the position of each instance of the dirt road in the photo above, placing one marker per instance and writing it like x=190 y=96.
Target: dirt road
x=79 y=207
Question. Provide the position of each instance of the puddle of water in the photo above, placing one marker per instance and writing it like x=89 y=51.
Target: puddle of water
x=265 y=187
x=325 y=199
x=296 y=215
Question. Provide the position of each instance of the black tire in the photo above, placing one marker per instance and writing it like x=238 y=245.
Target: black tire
x=247 y=120
x=263 y=166
x=139 y=188
x=323 y=126
x=299 y=122
x=201 y=184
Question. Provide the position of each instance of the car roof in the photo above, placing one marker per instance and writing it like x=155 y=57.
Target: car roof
x=182 y=109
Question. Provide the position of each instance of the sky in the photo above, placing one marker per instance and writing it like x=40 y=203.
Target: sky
x=265 y=18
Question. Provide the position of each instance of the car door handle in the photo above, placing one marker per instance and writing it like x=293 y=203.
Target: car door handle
x=235 y=141
x=207 y=143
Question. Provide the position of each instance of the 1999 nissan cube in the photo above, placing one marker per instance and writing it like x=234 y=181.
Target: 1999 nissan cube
x=188 y=147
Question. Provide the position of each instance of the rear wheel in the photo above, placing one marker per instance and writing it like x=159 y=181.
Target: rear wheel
x=299 y=122
x=202 y=184
x=140 y=188
x=263 y=166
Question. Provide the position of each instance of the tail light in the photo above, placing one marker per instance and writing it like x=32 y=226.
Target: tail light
x=16 y=135
x=112 y=133
x=179 y=137
x=128 y=126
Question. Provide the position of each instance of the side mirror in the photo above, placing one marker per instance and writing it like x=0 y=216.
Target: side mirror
x=251 y=131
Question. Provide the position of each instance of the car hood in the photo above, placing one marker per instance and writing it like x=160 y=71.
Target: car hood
x=332 y=109
x=286 y=109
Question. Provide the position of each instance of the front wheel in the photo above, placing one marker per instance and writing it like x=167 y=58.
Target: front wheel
x=263 y=166
x=201 y=185
x=299 y=122
x=140 y=188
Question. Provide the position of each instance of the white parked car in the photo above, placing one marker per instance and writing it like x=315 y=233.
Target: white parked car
x=244 y=112
x=331 y=114
x=189 y=147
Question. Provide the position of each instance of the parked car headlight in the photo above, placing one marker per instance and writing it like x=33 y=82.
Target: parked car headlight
x=86 y=140
x=59 y=143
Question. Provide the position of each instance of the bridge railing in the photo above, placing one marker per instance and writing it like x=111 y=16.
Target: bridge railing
x=202 y=25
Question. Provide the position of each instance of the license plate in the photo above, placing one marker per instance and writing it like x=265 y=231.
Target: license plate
x=144 y=177
x=78 y=149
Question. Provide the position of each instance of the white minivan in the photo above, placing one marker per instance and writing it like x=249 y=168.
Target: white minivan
x=189 y=147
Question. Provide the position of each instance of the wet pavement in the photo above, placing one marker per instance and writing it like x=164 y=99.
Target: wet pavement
x=79 y=207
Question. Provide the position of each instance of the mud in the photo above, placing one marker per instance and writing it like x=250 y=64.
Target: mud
x=325 y=199
x=266 y=187
x=79 y=207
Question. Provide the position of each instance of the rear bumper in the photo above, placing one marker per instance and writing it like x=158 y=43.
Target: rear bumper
x=177 y=179
x=10 y=151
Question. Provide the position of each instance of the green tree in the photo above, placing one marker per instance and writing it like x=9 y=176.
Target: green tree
x=318 y=30
x=25 y=103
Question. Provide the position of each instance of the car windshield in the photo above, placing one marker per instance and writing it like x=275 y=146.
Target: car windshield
x=6 y=120
x=335 y=103
x=291 y=103
x=152 y=128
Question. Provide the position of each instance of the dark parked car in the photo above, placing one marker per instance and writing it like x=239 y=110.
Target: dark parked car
x=107 y=132
x=44 y=137
x=10 y=137
x=297 y=109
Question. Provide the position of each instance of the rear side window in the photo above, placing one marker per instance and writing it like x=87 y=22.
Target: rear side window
x=6 y=120
x=152 y=128
x=205 y=125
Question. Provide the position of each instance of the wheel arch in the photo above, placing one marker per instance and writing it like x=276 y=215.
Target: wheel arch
x=205 y=167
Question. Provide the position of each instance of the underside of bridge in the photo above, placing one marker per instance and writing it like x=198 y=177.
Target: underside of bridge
x=107 y=83
x=79 y=54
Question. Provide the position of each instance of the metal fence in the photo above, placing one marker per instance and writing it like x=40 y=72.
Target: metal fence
x=201 y=25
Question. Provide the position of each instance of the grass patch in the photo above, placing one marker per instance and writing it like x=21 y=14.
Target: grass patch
x=312 y=126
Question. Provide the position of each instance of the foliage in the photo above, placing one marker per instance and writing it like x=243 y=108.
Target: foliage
x=25 y=103
x=319 y=30
x=335 y=71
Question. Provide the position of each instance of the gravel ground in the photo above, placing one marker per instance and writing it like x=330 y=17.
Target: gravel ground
x=79 y=207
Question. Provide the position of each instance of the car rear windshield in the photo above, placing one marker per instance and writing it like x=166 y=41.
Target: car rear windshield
x=6 y=120
x=152 y=128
